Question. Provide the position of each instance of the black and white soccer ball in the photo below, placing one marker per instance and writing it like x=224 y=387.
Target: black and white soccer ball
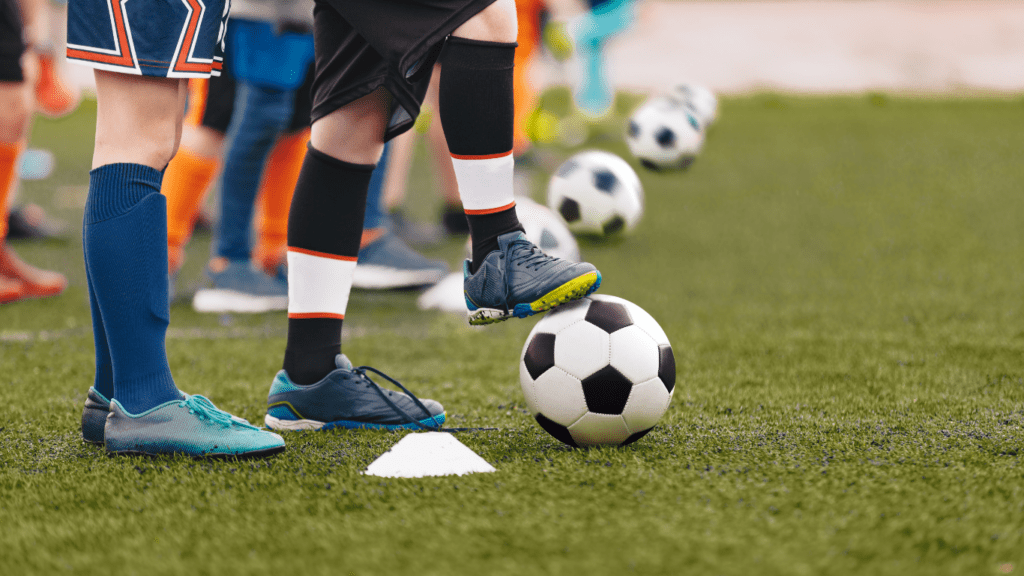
x=664 y=134
x=597 y=192
x=699 y=99
x=597 y=371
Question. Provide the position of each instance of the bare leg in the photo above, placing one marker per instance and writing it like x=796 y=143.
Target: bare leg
x=153 y=107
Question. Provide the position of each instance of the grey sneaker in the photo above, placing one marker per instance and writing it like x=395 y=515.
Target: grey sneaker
x=388 y=263
x=240 y=287
x=520 y=280
x=192 y=426
x=347 y=398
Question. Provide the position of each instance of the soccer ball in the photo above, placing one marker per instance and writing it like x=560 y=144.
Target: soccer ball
x=597 y=371
x=699 y=99
x=664 y=133
x=597 y=192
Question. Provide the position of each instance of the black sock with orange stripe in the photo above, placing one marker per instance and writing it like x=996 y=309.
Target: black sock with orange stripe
x=476 y=110
x=325 y=226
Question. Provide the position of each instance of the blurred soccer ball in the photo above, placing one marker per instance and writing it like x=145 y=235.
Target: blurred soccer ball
x=701 y=100
x=598 y=371
x=597 y=192
x=545 y=229
x=664 y=134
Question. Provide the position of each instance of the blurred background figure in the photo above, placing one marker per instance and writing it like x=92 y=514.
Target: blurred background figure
x=24 y=25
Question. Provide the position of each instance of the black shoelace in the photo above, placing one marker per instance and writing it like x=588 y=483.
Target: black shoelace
x=362 y=372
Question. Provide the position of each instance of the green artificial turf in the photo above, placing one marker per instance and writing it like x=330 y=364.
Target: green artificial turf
x=841 y=281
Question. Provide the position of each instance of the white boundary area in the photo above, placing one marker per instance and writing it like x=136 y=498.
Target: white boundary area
x=821 y=46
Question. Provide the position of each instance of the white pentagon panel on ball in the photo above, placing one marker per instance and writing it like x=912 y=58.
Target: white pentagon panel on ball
x=647 y=403
x=559 y=397
x=581 y=349
x=560 y=318
x=599 y=430
x=529 y=386
x=634 y=354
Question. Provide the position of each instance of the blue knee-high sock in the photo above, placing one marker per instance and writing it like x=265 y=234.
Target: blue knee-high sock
x=375 y=196
x=125 y=241
x=261 y=114
x=104 y=381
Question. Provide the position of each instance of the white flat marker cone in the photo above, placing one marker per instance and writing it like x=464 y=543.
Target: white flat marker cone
x=428 y=454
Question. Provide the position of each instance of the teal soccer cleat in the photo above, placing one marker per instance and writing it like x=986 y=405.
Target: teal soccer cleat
x=192 y=426
x=347 y=398
x=520 y=280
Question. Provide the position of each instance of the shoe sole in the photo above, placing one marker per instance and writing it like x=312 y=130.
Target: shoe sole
x=243 y=456
x=219 y=301
x=384 y=278
x=313 y=425
x=579 y=287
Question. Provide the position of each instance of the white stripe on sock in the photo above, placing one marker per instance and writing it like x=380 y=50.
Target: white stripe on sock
x=484 y=183
x=318 y=283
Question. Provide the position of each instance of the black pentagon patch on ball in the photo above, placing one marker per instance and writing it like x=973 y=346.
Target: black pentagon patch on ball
x=665 y=137
x=540 y=354
x=568 y=168
x=555 y=429
x=666 y=366
x=570 y=210
x=608 y=316
x=613 y=225
x=635 y=436
x=605 y=181
x=606 y=391
x=633 y=130
x=650 y=165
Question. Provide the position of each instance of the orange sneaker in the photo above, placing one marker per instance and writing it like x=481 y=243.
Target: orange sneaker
x=11 y=290
x=35 y=282
x=54 y=96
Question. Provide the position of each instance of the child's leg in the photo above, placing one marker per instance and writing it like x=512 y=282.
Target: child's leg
x=125 y=232
x=275 y=197
x=325 y=227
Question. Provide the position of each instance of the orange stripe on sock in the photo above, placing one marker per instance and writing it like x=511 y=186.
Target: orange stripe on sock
x=9 y=154
x=316 y=315
x=322 y=254
x=480 y=157
x=491 y=210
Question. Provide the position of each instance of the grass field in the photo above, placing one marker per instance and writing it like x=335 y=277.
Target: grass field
x=841 y=281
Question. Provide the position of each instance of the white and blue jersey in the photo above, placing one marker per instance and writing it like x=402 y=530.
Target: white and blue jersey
x=169 y=38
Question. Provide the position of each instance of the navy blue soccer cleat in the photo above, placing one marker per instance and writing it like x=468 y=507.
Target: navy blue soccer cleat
x=347 y=398
x=192 y=426
x=520 y=280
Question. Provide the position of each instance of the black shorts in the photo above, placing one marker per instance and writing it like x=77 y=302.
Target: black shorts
x=12 y=47
x=362 y=45
x=219 y=102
